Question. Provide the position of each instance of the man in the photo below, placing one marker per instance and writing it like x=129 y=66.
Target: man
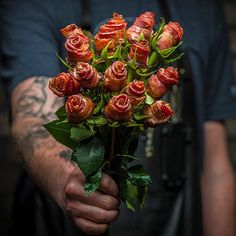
x=30 y=37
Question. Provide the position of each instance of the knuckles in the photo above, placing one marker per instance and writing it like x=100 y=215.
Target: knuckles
x=109 y=203
x=71 y=188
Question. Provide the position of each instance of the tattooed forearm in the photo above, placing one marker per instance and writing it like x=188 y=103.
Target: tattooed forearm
x=35 y=100
x=34 y=105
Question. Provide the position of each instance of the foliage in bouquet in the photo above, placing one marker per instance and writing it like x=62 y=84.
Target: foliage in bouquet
x=113 y=88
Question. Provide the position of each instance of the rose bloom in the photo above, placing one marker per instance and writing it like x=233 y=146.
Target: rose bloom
x=112 y=32
x=78 y=48
x=159 y=84
x=171 y=36
x=157 y=113
x=118 y=108
x=141 y=50
x=64 y=84
x=142 y=24
x=73 y=29
x=136 y=91
x=115 y=76
x=79 y=108
x=87 y=76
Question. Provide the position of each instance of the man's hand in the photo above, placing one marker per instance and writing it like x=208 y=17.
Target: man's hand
x=48 y=161
x=91 y=213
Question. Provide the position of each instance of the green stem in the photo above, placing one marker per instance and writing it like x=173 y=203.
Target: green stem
x=130 y=75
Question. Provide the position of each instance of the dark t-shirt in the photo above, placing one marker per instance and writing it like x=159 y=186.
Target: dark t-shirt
x=30 y=37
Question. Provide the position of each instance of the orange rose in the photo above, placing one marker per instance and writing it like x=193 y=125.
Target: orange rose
x=136 y=91
x=64 y=84
x=86 y=75
x=79 y=108
x=115 y=76
x=118 y=108
x=159 y=84
x=171 y=36
x=112 y=32
x=78 y=48
x=141 y=50
x=157 y=113
x=73 y=29
x=142 y=24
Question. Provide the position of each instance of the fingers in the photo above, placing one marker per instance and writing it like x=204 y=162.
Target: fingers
x=95 y=214
x=90 y=227
x=91 y=213
x=109 y=186
x=107 y=199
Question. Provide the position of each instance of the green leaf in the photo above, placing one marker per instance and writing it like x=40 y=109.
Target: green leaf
x=104 y=53
x=92 y=183
x=169 y=61
x=149 y=100
x=142 y=195
x=61 y=113
x=155 y=36
x=61 y=132
x=99 y=106
x=114 y=124
x=130 y=75
x=144 y=74
x=134 y=124
x=160 y=26
x=138 y=116
x=117 y=53
x=79 y=134
x=153 y=59
x=89 y=155
x=99 y=121
x=138 y=176
x=132 y=63
x=167 y=52
x=132 y=196
x=64 y=62
x=141 y=37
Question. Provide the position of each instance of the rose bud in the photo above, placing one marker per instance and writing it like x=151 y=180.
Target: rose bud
x=79 y=108
x=73 y=29
x=159 y=84
x=141 y=50
x=87 y=76
x=115 y=76
x=157 y=113
x=171 y=36
x=78 y=48
x=112 y=32
x=136 y=91
x=64 y=84
x=118 y=108
x=142 y=24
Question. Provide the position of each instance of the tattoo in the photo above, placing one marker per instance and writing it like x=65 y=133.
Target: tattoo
x=65 y=154
x=35 y=106
x=33 y=100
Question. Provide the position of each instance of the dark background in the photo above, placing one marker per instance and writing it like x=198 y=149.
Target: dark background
x=10 y=166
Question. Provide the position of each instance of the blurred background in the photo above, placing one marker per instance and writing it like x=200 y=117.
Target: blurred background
x=10 y=167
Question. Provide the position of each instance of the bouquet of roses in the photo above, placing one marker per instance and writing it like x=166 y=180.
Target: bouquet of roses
x=113 y=89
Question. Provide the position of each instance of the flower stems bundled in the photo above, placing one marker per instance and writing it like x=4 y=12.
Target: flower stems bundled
x=114 y=85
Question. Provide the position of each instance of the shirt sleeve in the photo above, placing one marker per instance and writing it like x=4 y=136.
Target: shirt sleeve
x=29 y=41
x=219 y=84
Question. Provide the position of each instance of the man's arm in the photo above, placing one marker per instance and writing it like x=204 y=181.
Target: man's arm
x=218 y=184
x=48 y=163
